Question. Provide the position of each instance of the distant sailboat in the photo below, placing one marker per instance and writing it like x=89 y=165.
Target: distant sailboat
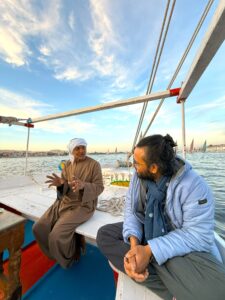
x=116 y=150
x=204 y=147
x=191 y=147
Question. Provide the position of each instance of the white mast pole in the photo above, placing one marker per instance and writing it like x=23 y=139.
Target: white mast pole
x=183 y=128
x=28 y=137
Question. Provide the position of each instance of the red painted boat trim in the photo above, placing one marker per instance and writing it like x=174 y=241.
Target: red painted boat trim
x=34 y=265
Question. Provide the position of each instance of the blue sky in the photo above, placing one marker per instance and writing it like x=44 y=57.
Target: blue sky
x=57 y=56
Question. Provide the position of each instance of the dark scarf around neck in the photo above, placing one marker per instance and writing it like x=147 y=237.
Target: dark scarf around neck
x=155 y=221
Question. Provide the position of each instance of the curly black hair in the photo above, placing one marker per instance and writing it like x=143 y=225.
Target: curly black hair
x=160 y=150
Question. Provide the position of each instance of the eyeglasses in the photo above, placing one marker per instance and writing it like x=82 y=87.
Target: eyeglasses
x=135 y=163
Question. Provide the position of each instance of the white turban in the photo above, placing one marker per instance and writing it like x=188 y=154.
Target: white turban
x=75 y=143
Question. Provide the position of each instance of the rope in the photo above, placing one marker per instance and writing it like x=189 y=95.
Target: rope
x=154 y=67
x=8 y=120
x=114 y=206
x=206 y=10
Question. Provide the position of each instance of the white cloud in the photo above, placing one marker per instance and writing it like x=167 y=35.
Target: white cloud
x=102 y=35
x=45 y=50
x=103 y=41
x=71 y=21
x=24 y=107
x=95 y=48
x=68 y=74
x=20 y=106
x=12 y=48
x=19 y=21
x=72 y=126
x=213 y=104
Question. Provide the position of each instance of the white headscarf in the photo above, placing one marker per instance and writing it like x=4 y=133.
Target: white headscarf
x=75 y=143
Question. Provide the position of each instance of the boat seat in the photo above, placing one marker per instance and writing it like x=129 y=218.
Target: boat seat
x=31 y=197
x=32 y=200
x=127 y=289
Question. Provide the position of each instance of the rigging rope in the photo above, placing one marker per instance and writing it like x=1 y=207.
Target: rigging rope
x=115 y=205
x=206 y=10
x=155 y=66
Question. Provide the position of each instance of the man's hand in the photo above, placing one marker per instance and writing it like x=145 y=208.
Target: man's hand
x=139 y=277
x=55 y=180
x=133 y=241
x=142 y=255
x=76 y=184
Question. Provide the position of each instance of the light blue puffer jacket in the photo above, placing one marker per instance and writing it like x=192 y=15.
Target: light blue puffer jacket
x=191 y=215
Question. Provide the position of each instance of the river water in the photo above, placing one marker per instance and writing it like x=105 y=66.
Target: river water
x=210 y=165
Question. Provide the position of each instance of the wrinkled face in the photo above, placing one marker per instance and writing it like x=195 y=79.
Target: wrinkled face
x=143 y=171
x=79 y=153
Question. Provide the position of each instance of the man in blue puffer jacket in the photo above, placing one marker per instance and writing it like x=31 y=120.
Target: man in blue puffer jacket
x=167 y=240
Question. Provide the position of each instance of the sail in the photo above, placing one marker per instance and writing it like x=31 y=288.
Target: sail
x=204 y=147
x=116 y=150
x=191 y=146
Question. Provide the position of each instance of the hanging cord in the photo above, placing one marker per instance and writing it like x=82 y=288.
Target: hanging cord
x=155 y=66
x=207 y=8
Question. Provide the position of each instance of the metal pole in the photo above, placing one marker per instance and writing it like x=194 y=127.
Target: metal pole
x=28 y=137
x=114 y=104
x=183 y=128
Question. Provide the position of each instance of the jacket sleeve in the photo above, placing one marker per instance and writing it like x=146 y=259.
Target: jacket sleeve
x=94 y=188
x=196 y=232
x=131 y=226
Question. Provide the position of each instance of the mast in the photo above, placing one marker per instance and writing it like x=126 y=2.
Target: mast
x=191 y=146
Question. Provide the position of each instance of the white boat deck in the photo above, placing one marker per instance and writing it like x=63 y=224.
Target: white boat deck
x=31 y=197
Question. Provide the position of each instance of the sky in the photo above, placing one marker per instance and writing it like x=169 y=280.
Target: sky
x=61 y=55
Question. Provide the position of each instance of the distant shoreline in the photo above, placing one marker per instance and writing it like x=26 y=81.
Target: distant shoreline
x=20 y=154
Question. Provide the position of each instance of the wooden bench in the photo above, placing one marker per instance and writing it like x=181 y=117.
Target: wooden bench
x=11 y=238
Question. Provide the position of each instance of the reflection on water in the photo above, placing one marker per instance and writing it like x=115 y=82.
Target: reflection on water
x=210 y=165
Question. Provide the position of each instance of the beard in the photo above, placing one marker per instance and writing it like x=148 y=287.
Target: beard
x=80 y=158
x=146 y=175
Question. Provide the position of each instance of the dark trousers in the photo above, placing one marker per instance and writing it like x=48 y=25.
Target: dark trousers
x=195 y=276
